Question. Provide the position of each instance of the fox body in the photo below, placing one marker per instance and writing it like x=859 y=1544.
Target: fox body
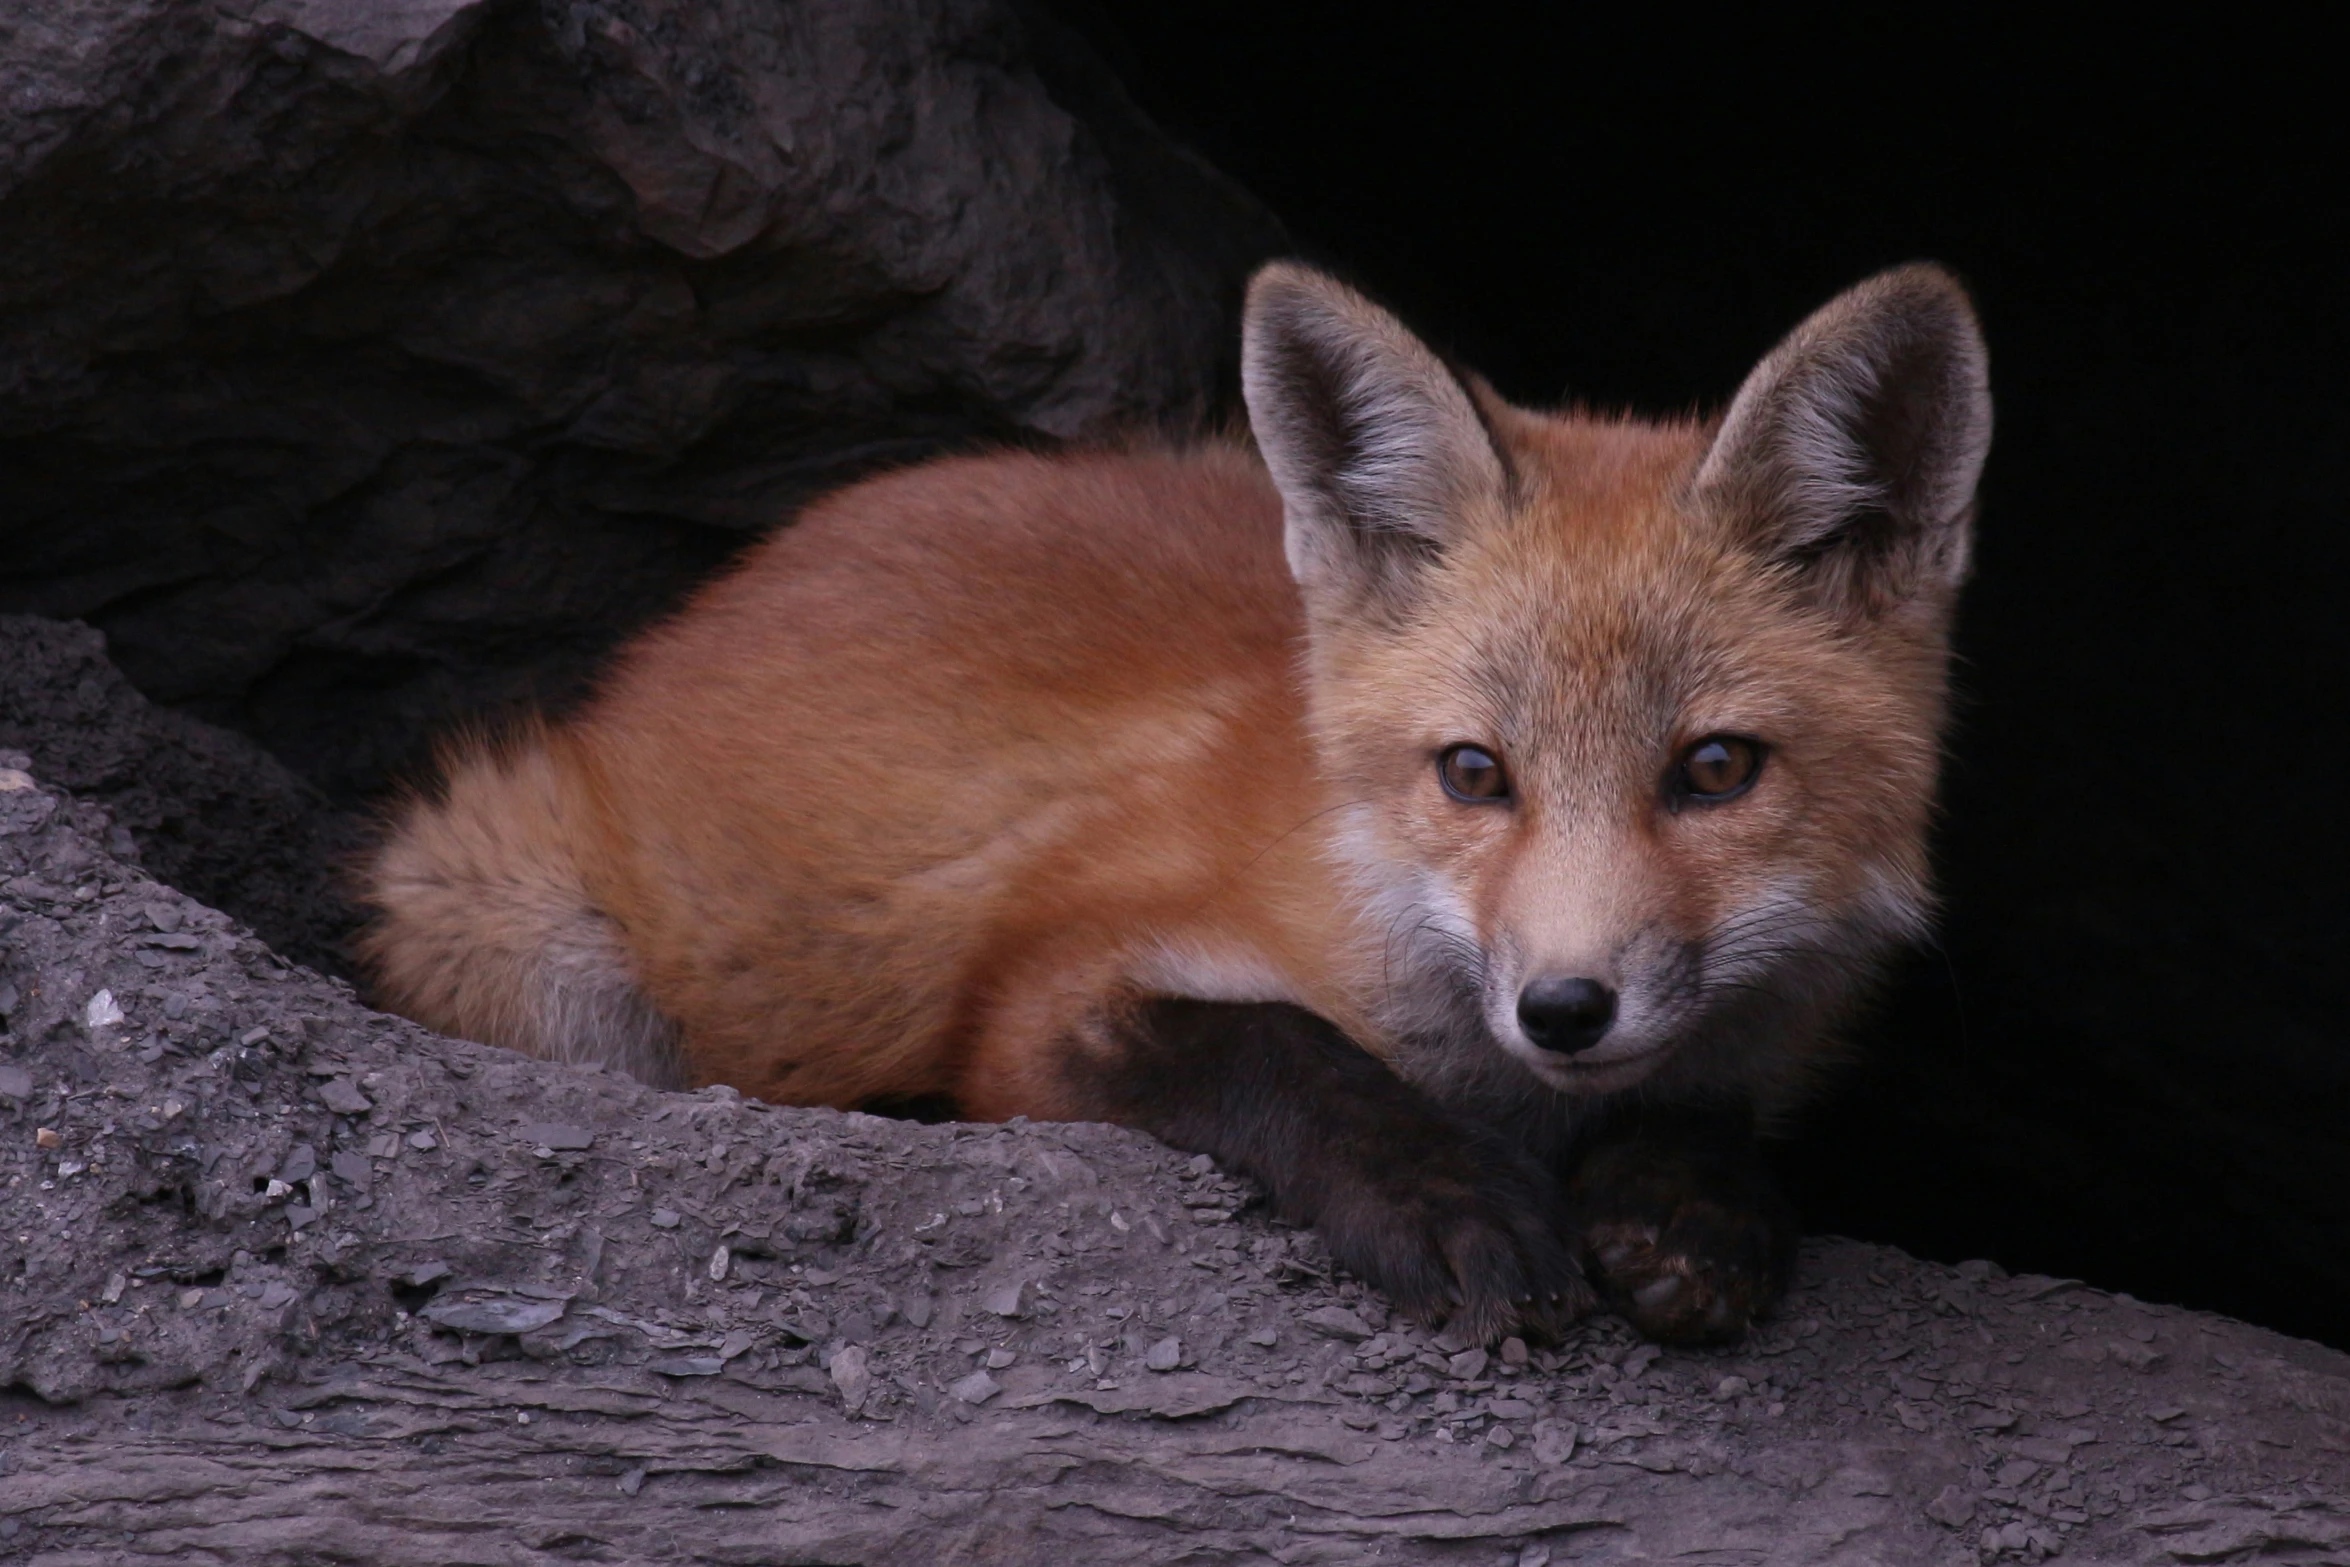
x=1467 y=819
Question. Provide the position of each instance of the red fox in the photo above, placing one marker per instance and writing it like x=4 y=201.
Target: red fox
x=1467 y=820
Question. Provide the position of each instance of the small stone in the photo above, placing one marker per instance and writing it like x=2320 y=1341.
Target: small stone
x=1008 y=1300
x=1535 y=1555
x=1554 y=1441
x=275 y=1295
x=688 y=1366
x=353 y=1170
x=1732 y=1387
x=1952 y=1507
x=501 y=1315
x=1337 y=1322
x=1468 y=1365
x=423 y=1142
x=252 y=1036
x=427 y=1273
x=116 y=1283
x=977 y=1388
x=343 y=1097
x=301 y=1164
x=102 y=1012
x=15 y=1083
x=1264 y=1338
x=46 y=1137
x=631 y=1482
x=853 y=1376
x=997 y=1359
x=1511 y=1409
x=916 y=1309
x=558 y=1137
x=1165 y=1355
x=720 y=1260
x=1499 y=1436
x=666 y=1218
x=1513 y=1352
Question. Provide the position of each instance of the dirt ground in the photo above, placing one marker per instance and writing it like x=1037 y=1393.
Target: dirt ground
x=283 y=1280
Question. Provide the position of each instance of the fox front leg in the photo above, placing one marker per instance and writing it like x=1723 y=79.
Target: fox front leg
x=1682 y=1228
x=1450 y=1221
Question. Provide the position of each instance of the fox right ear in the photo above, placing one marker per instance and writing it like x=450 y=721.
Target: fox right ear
x=1851 y=453
x=1375 y=445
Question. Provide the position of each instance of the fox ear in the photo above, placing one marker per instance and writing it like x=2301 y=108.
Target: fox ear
x=1852 y=451
x=1378 y=451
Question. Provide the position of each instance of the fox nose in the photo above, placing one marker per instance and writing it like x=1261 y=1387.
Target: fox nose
x=1566 y=1015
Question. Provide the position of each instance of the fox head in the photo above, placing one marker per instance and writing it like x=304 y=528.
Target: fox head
x=1634 y=726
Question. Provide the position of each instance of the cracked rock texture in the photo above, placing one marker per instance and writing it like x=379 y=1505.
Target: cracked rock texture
x=365 y=362
x=287 y=1281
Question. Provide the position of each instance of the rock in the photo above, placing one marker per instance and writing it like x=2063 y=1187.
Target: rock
x=401 y=357
x=343 y=1097
x=850 y=1375
x=1339 y=1323
x=551 y=1134
x=1165 y=1355
x=977 y=1388
x=201 y=808
x=494 y=1315
x=1952 y=1507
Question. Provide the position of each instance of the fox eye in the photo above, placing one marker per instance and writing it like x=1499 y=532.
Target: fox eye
x=1718 y=767
x=1472 y=773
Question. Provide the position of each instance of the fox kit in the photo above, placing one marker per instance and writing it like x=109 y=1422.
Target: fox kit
x=1469 y=821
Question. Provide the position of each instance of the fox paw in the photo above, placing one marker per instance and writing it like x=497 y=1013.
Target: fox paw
x=1682 y=1250
x=1479 y=1250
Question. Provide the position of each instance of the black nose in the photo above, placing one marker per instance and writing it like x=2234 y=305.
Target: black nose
x=1566 y=1015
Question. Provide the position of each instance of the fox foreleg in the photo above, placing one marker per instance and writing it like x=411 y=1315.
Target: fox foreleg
x=1682 y=1227
x=1452 y=1222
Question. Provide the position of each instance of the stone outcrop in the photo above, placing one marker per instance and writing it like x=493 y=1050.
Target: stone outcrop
x=365 y=362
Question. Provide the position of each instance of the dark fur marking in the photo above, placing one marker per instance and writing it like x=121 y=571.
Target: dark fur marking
x=1446 y=1217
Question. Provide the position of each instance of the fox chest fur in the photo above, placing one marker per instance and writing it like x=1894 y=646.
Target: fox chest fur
x=1544 y=758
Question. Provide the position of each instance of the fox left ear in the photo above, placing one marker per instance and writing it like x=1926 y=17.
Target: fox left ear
x=1852 y=452
x=1377 y=447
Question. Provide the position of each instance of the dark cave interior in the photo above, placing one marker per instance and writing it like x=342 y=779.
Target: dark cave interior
x=2120 y=1063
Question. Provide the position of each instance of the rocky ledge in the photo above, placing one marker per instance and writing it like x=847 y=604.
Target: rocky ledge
x=285 y=1280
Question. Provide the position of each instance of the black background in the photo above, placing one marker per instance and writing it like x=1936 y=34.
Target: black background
x=2125 y=1060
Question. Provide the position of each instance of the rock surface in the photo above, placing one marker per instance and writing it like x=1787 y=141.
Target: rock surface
x=206 y=811
x=288 y=1281
x=365 y=362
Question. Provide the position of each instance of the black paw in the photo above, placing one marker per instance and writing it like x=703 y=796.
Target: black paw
x=1455 y=1225
x=1688 y=1242
x=1470 y=1237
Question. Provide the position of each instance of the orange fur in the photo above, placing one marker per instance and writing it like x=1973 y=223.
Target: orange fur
x=974 y=749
